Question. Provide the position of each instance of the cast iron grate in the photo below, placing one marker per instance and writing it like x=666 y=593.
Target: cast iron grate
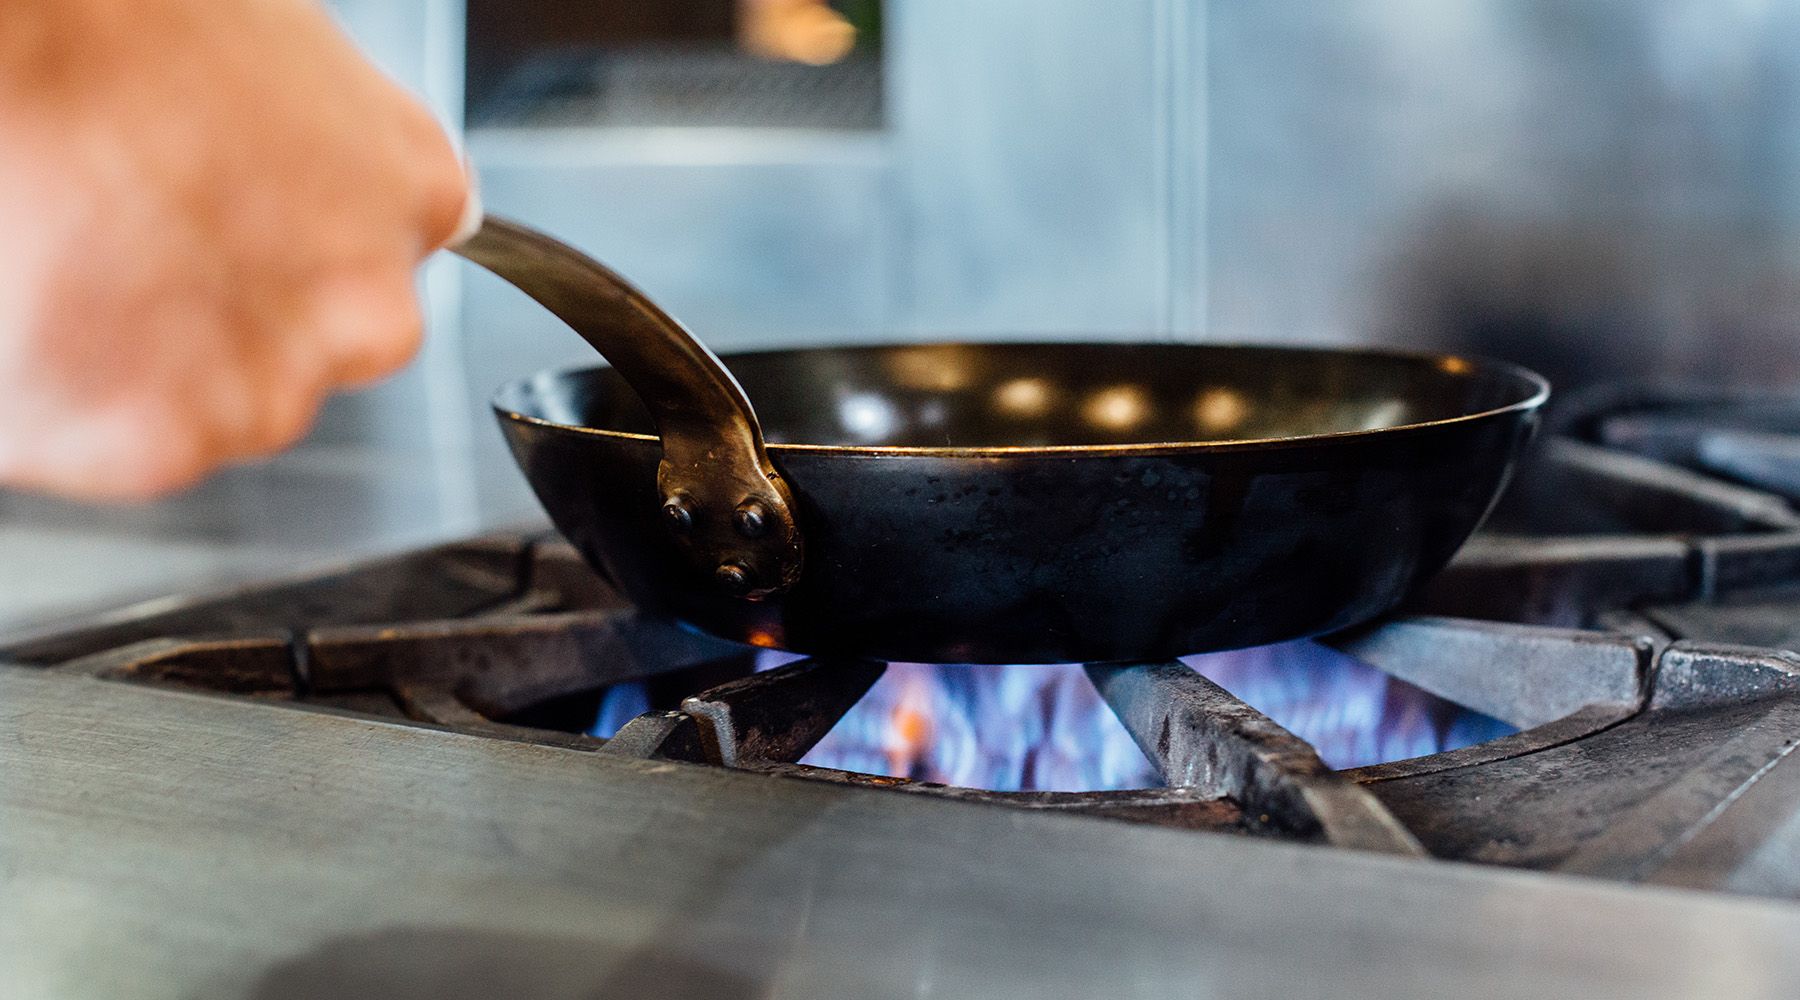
x=1642 y=754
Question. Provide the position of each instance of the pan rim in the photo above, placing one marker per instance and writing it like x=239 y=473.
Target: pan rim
x=1460 y=365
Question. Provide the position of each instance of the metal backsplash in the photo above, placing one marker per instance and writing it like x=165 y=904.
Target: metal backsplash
x=1599 y=188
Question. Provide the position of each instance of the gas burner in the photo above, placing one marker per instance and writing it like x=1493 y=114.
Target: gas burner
x=1744 y=437
x=1639 y=756
x=1586 y=532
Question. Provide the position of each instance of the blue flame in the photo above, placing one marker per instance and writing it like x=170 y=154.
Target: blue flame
x=1045 y=728
x=1042 y=728
x=1352 y=713
x=620 y=704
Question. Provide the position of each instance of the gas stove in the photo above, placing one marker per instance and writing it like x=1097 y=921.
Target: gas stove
x=1491 y=791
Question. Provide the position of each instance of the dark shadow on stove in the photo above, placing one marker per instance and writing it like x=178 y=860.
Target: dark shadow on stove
x=441 y=963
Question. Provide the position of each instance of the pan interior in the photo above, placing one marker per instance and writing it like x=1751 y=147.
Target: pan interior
x=1037 y=395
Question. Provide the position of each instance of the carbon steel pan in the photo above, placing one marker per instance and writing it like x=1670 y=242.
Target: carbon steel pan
x=1057 y=502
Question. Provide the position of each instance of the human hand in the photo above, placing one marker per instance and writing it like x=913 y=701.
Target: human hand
x=210 y=218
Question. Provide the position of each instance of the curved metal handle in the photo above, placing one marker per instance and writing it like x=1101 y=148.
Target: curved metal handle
x=722 y=499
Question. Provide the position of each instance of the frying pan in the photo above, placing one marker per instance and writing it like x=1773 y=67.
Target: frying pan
x=1000 y=503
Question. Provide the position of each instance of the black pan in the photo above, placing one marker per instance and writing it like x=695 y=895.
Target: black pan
x=1001 y=503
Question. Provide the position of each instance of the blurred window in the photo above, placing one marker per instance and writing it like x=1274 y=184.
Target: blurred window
x=772 y=63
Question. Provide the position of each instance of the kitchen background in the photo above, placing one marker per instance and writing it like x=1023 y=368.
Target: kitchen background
x=1597 y=188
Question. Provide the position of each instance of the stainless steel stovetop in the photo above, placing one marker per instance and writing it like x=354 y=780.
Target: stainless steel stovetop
x=369 y=780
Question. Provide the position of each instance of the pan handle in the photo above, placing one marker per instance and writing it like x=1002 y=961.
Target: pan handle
x=723 y=502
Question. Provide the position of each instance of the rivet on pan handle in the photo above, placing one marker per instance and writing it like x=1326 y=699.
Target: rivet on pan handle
x=722 y=500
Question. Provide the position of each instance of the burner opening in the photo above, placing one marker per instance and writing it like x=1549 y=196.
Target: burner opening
x=600 y=711
x=566 y=713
